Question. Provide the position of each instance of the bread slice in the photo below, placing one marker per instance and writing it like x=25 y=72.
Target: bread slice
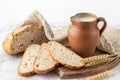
x=19 y=39
x=25 y=67
x=65 y=56
x=44 y=62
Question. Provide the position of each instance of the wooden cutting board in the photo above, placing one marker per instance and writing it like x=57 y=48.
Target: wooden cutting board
x=65 y=73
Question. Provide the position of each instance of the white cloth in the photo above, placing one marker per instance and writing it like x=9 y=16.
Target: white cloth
x=37 y=18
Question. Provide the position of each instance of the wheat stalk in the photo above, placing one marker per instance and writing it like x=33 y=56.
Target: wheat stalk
x=100 y=61
x=100 y=75
x=93 y=58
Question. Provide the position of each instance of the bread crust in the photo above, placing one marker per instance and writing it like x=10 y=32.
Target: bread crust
x=7 y=43
x=36 y=70
x=8 y=40
x=26 y=74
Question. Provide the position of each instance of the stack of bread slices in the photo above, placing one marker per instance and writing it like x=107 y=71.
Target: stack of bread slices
x=44 y=58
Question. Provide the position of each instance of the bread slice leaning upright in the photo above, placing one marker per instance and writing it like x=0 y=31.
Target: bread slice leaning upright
x=65 y=56
x=25 y=67
x=44 y=62
x=19 y=39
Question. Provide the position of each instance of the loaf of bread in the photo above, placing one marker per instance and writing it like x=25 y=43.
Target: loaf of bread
x=25 y=67
x=44 y=62
x=65 y=56
x=110 y=40
x=19 y=39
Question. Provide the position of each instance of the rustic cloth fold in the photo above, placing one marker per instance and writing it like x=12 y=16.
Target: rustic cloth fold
x=37 y=18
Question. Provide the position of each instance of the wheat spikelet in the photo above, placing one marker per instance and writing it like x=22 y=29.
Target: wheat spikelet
x=100 y=61
x=98 y=57
x=100 y=75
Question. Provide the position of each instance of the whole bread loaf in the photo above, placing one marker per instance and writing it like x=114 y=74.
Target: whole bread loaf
x=19 y=39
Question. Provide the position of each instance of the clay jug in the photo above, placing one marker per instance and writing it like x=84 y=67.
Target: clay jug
x=83 y=33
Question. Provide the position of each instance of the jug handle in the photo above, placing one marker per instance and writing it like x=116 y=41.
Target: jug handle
x=104 y=25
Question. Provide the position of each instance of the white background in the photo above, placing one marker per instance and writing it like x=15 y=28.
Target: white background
x=56 y=11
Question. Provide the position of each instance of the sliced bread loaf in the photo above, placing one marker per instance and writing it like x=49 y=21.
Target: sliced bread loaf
x=18 y=40
x=44 y=62
x=65 y=56
x=25 y=67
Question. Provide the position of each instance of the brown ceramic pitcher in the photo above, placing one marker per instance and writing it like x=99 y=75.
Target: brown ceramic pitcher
x=83 y=33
